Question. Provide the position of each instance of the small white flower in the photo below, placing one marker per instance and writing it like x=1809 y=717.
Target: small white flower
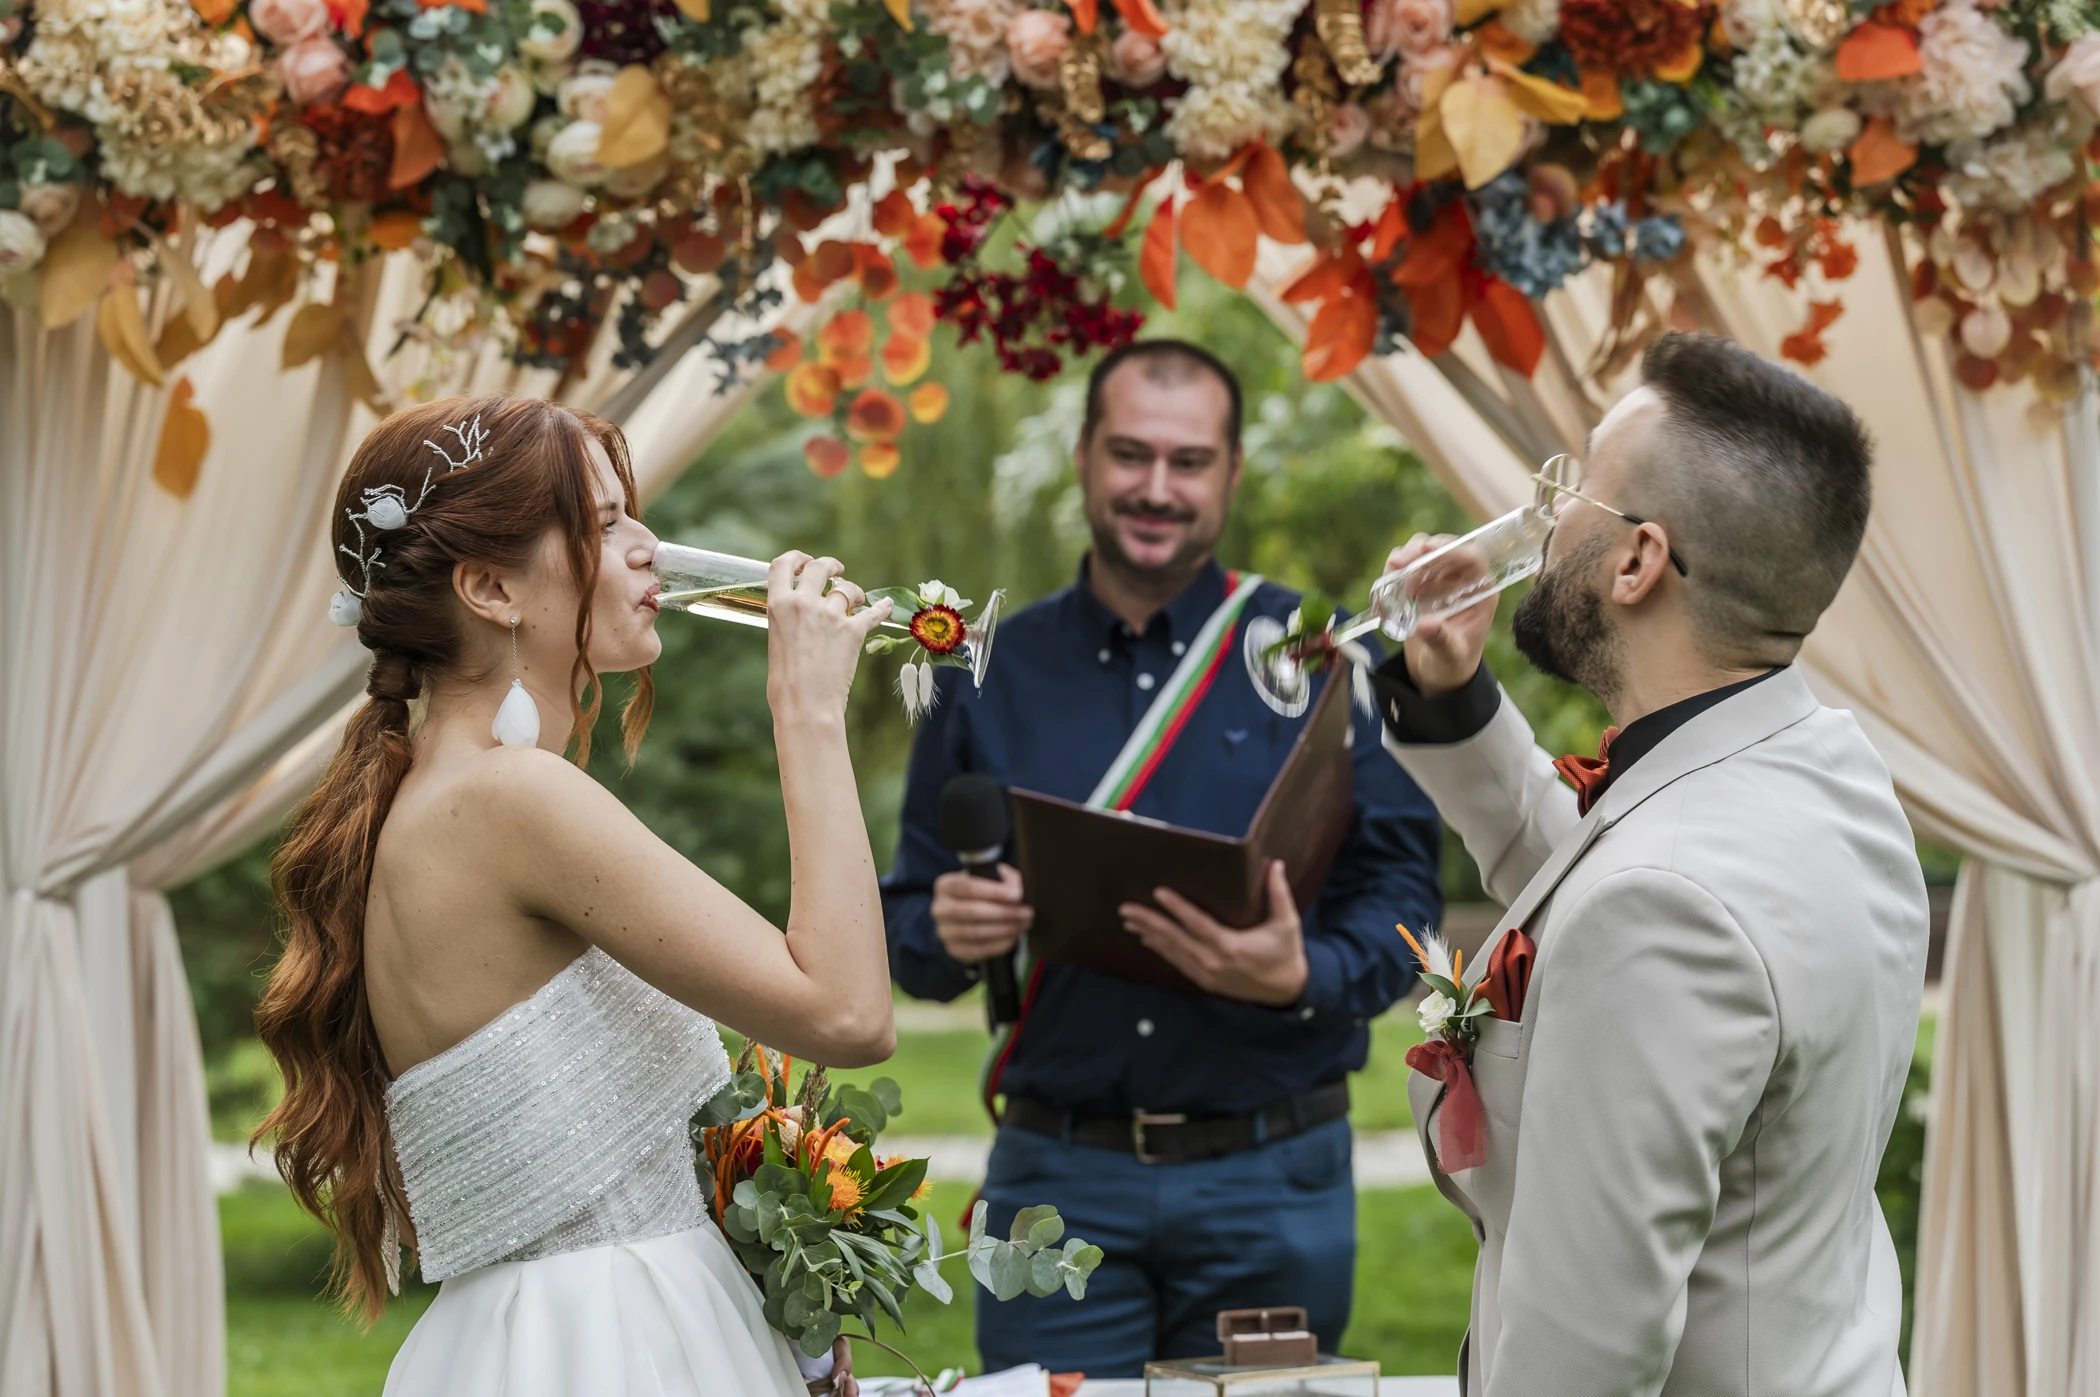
x=1436 y=1014
x=561 y=42
x=939 y=593
x=386 y=512
x=21 y=241
x=345 y=609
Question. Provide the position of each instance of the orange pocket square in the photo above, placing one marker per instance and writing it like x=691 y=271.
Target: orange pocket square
x=1509 y=974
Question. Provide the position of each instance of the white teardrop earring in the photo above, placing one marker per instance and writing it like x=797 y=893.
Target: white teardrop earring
x=518 y=720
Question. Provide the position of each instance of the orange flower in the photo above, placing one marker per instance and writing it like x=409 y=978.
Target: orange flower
x=876 y=415
x=832 y=261
x=812 y=389
x=789 y=352
x=939 y=628
x=928 y=402
x=879 y=460
x=848 y=332
x=905 y=358
x=826 y=455
x=846 y=1192
x=912 y=314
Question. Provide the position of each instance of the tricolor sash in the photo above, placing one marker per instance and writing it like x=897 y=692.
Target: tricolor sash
x=1154 y=736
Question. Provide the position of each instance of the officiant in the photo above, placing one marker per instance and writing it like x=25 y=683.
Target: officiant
x=1201 y=1139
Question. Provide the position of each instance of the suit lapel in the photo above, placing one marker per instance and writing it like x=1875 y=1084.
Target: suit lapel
x=1715 y=735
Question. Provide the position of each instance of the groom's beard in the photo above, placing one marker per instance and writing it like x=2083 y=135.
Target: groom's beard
x=1561 y=628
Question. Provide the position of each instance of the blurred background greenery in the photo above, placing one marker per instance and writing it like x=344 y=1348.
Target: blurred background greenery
x=985 y=498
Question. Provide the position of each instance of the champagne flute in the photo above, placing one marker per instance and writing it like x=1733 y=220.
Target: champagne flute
x=732 y=588
x=1281 y=658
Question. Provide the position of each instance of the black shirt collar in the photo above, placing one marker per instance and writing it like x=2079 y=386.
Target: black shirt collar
x=1182 y=617
x=1644 y=734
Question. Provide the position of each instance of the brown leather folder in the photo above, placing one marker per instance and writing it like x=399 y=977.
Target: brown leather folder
x=1079 y=865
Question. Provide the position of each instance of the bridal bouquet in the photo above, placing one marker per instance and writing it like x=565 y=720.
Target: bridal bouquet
x=829 y=1228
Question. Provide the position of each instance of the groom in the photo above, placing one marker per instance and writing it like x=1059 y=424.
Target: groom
x=1703 y=1019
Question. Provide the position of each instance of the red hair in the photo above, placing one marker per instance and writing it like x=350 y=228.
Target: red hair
x=535 y=474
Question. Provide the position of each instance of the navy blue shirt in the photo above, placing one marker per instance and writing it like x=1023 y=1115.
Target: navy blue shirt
x=1068 y=683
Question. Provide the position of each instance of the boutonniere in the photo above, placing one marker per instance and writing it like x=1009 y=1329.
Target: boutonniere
x=1450 y=1019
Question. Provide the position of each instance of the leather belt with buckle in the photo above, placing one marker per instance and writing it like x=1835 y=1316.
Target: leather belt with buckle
x=1160 y=1137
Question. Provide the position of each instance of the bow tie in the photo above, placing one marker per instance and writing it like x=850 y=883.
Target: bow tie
x=1588 y=775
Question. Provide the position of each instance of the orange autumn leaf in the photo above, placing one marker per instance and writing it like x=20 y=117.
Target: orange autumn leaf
x=396 y=229
x=1142 y=16
x=418 y=148
x=349 y=15
x=184 y=438
x=1440 y=313
x=1278 y=206
x=904 y=359
x=1509 y=326
x=1391 y=228
x=400 y=90
x=894 y=214
x=1339 y=337
x=927 y=402
x=1600 y=89
x=1805 y=345
x=1085 y=14
x=1326 y=276
x=1872 y=52
x=1496 y=41
x=1680 y=69
x=812 y=389
x=1156 y=260
x=1878 y=154
x=847 y=333
x=827 y=456
x=878 y=461
x=1436 y=255
x=213 y=12
x=809 y=288
x=787 y=351
x=1221 y=233
x=876 y=274
x=912 y=314
x=875 y=415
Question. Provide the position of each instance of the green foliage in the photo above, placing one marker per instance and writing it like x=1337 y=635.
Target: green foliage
x=1901 y=1183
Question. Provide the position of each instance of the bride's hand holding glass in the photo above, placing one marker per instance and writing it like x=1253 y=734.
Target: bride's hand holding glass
x=818 y=625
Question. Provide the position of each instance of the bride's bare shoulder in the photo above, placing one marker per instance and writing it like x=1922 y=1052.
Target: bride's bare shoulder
x=521 y=795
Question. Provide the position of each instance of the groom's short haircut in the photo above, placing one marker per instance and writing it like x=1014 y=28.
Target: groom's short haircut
x=1164 y=361
x=1761 y=479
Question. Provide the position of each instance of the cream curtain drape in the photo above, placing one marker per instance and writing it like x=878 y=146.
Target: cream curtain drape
x=169 y=684
x=1965 y=642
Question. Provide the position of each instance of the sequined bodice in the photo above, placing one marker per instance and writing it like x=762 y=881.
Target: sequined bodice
x=559 y=1125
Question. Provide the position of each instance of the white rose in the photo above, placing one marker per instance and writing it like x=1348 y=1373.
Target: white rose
x=510 y=105
x=1832 y=128
x=1436 y=1014
x=21 y=241
x=573 y=154
x=542 y=136
x=586 y=96
x=550 y=204
x=562 y=43
x=51 y=205
x=939 y=593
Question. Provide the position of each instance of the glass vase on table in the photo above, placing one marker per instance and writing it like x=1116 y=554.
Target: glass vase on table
x=1282 y=656
x=927 y=619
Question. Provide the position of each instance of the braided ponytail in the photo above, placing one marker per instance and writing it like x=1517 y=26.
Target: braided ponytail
x=332 y=1143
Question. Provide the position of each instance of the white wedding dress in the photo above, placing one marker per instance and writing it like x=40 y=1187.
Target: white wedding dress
x=551 y=1184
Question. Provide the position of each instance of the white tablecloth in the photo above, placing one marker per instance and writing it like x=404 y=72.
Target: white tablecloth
x=1387 y=1387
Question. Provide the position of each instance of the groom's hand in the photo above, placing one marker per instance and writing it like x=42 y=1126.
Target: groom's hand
x=1444 y=652
x=1262 y=964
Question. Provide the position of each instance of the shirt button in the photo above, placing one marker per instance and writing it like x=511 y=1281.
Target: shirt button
x=1305 y=1014
x=1179 y=648
x=1103 y=657
x=1145 y=681
x=1144 y=1027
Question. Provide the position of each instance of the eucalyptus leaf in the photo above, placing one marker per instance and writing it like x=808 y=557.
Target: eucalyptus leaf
x=1045 y=1273
x=886 y=1090
x=819 y=1333
x=1027 y=1218
x=929 y=1279
x=1009 y=1270
x=1047 y=1231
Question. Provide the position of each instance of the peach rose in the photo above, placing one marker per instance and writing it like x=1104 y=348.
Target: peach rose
x=1407 y=27
x=51 y=206
x=287 y=22
x=1135 y=60
x=314 y=70
x=1346 y=130
x=1035 y=40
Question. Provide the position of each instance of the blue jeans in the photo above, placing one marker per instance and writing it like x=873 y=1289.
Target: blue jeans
x=1274 y=1225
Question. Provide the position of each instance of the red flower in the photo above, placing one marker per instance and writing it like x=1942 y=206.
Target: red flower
x=1631 y=36
x=939 y=628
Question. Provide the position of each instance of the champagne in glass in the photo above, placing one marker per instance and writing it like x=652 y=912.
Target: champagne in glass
x=732 y=588
x=1497 y=555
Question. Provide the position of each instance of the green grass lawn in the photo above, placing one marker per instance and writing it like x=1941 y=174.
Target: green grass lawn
x=1414 y=1267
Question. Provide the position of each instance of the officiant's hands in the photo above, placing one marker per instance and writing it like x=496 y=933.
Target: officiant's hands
x=1444 y=652
x=1262 y=964
x=977 y=918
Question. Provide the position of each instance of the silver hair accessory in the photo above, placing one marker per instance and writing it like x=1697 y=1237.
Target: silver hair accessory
x=387 y=507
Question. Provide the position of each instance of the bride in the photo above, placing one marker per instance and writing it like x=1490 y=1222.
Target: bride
x=493 y=1011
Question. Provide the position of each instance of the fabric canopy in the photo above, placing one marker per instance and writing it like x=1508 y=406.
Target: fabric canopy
x=171 y=686
x=1965 y=643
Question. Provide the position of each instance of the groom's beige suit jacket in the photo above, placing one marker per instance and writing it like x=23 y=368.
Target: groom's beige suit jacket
x=1684 y=1129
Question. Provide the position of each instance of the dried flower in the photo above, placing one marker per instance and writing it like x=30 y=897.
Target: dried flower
x=1232 y=55
x=939 y=628
x=1631 y=36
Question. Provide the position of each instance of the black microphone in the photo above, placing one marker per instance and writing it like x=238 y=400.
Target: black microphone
x=974 y=826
